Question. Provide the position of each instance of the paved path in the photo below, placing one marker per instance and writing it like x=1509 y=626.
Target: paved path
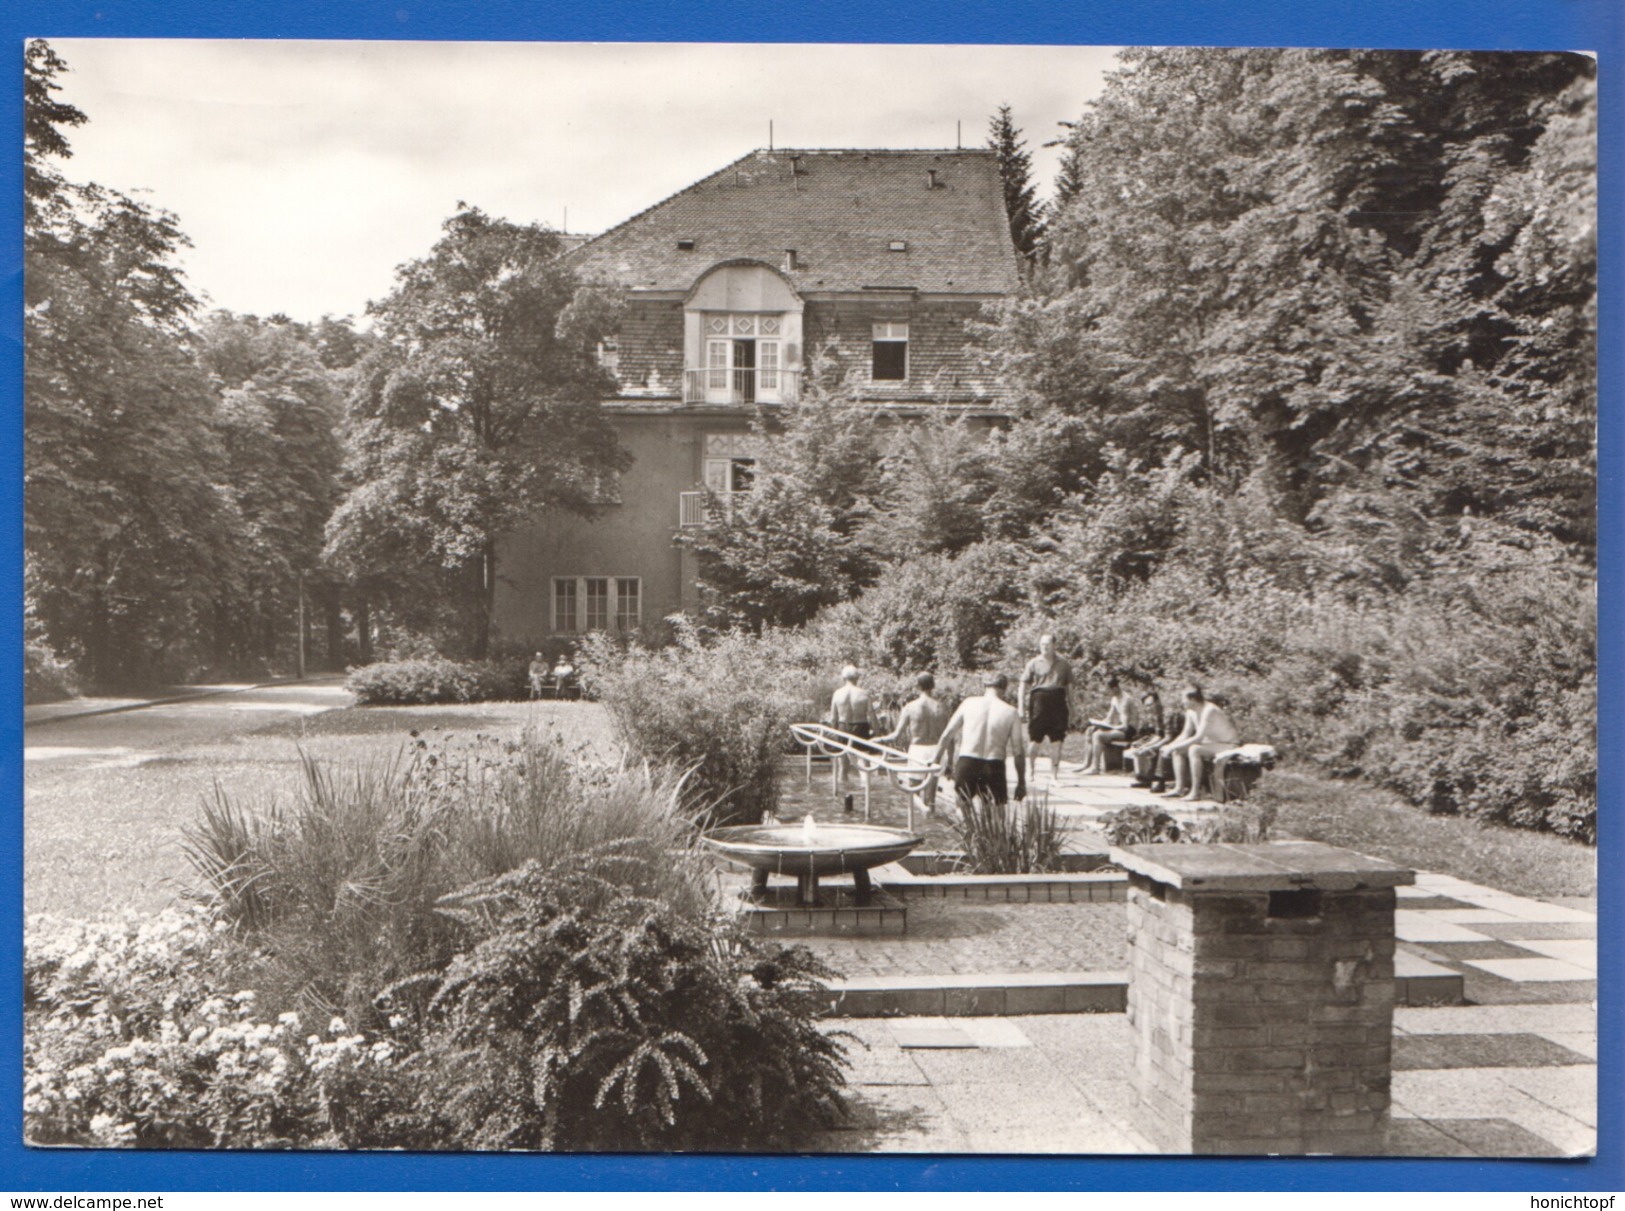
x=1511 y=1073
x=1483 y=1081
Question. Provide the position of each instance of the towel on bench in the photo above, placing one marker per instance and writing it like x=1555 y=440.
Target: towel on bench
x=1261 y=755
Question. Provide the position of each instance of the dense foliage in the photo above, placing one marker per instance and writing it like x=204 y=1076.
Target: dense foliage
x=1304 y=407
x=436 y=679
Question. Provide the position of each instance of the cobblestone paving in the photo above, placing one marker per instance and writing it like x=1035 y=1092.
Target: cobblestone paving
x=951 y=937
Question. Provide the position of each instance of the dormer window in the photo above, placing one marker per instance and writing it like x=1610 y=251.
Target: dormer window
x=890 y=356
x=685 y=244
x=898 y=246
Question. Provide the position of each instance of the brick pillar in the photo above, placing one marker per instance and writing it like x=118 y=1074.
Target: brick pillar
x=1261 y=992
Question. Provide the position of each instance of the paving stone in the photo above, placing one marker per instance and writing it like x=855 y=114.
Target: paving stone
x=1460 y=952
x=1417 y=1051
x=1578 y=951
x=1424 y=927
x=1514 y=931
x=903 y=1119
x=994 y=1032
x=1484 y=1093
x=1495 y=1137
x=1082 y=1136
x=1420 y=1137
x=967 y=936
x=1580 y=1042
x=1531 y=971
x=1481 y=1019
x=1465 y=915
x=923 y=1038
x=1531 y=910
x=1571 y=1090
x=1019 y=1070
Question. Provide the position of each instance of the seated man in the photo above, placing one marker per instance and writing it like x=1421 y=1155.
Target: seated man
x=1209 y=732
x=1143 y=756
x=538 y=676
x=564 y=678
x=987 y=730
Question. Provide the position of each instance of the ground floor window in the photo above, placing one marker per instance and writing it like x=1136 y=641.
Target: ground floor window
x=595 y=603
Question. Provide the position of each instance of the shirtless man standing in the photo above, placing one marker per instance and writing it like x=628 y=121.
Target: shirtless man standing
x=919 y=727
x=988 y=730
x=1209 y=731
x=849 y=712
x=1045 y=684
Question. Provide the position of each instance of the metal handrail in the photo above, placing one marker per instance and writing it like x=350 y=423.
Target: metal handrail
x=910 y=776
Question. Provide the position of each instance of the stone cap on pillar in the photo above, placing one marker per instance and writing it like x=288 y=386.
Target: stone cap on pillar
x=1274 y=866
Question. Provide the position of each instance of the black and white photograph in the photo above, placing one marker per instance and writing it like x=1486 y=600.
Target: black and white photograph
x=809 y=598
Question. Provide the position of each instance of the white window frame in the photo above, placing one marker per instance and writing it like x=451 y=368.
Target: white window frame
x=889 y=332
x=611 y=604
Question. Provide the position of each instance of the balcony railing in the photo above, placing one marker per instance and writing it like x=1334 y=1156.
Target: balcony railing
x=723 y=386
x=693 y=508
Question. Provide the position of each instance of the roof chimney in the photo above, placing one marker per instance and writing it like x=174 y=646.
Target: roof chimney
x=930 y=178
x=795 y=165
x=790 y=265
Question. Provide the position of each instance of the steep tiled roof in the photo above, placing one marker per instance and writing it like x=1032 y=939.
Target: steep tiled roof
x=840 y=211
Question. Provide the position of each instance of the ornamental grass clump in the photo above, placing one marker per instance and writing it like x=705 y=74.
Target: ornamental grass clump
x=1009 y=839
x=337 y=887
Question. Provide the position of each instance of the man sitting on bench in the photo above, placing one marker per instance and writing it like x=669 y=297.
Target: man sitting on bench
x=1212 y=732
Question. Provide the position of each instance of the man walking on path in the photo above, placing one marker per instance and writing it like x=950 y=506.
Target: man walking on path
x=988 y=730
x=1045 y=685
x=919 y=727
x=850 y=712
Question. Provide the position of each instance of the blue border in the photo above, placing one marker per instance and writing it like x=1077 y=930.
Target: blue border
x=1593 y=25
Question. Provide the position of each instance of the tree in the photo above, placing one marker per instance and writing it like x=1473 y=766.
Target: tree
x=1021 y=203
x=130 y=532
x=800 y=539
x=478 y=409
x=279 y=414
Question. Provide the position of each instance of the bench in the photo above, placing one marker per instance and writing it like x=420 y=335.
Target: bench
x=1243 y=766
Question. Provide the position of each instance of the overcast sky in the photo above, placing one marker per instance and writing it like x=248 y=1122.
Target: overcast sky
x=304 y=172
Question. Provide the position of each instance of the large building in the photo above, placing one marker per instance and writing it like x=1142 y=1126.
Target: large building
x=869 y=263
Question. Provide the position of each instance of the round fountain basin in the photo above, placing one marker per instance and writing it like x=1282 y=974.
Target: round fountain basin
x=831 y=849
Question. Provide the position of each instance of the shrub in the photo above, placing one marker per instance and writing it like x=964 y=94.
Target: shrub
x=338 y=886
x=437 y=680
x=129 y=1041
x=46 y=676
x=717 y=707
x=929 y=612
x=583 y=1017
x=1009 y=839
x=1140 y=826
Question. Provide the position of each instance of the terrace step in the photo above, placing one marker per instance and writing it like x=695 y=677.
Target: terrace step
x=1417 y=982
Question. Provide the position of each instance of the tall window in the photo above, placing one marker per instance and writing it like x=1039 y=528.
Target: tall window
x=597 y=603
x=890 y=353
x=628 y=603
x=564 y=605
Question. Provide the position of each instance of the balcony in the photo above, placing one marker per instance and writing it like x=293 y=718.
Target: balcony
x=723 y=386
x=694 y=508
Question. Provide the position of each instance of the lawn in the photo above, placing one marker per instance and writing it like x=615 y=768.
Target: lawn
x=105 y=837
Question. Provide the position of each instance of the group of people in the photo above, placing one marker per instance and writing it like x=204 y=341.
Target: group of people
x=973 y=742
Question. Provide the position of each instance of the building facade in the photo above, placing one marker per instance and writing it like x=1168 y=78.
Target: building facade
x=860 y=267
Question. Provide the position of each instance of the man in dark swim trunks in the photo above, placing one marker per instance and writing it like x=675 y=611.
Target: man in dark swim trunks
x=987 y=730
x=1045 y=684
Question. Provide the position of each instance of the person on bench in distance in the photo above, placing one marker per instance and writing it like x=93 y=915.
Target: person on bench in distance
x=1212 y=733
x=1142 y=758
x=1120 y=724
